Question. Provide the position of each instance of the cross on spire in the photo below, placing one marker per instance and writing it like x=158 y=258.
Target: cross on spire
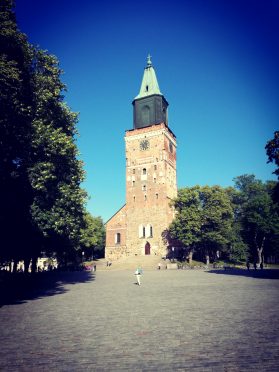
x=149 y=84
x=149 y=63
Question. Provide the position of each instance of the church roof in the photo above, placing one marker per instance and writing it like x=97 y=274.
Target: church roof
x=149 y=83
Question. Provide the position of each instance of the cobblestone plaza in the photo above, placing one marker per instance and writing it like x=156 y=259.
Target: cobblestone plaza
x=185 y=320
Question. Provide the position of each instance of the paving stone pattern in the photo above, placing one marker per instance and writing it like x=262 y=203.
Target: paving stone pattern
x=180 y=320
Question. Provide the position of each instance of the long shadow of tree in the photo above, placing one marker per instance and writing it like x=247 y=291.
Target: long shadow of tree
x=19 y=288
x=257 y=274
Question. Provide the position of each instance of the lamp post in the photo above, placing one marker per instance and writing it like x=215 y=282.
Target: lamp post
x=82 y=256
x=172 y=248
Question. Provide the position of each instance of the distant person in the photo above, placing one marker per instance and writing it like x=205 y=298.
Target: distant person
x=248 y=265
x=138 y=274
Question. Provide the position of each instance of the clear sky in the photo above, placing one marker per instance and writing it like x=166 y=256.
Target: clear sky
x=217 y=64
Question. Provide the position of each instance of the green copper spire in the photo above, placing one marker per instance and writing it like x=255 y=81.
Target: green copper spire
x=149 y=83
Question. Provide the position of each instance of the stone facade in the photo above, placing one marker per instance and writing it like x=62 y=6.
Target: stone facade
x=116 y=235
x=136 y=229
x=150 y=186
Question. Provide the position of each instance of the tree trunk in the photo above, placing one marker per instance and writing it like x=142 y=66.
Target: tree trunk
x=190 y=257
x=26 y=265
x=260 y=252
x=14 y=268
x=207 y=259
x=34 y=264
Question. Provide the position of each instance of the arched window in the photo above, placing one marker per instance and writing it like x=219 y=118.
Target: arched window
x=117 y=238
x=145 y=114
x=143 y=174
x=144 y=187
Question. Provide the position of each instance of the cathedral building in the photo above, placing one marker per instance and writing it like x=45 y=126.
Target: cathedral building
x=136 y=229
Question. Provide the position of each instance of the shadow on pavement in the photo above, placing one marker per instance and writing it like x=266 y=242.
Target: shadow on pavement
x=257 y=274
x=19 y=288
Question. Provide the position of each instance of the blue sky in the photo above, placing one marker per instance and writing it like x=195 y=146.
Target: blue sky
x=216 y=64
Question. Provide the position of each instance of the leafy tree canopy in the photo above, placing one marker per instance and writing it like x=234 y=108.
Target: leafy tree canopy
x=204 y=219
x=272 y=151
x=93 y=235
x=259 y=214
x=40 y=174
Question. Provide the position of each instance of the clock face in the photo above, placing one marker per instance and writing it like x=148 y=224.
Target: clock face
x=144 y=145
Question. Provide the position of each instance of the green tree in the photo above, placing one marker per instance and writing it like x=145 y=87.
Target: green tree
x=93 y=236
x=217 y=219
x=16 y=100
x=237 y=248
x=42 y=203
x=272 y=151
x=204 y=220
x=259 y=214
x=186 y=227
x=55 y=172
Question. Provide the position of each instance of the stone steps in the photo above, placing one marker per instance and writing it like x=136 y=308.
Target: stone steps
x=132 y=262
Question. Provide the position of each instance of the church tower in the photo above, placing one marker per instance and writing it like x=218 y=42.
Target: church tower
x=136 y=229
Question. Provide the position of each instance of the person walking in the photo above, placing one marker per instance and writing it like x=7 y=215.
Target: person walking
x=159 y=266
x=138 y=274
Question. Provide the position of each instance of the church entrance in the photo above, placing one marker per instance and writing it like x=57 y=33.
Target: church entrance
x=147 y=248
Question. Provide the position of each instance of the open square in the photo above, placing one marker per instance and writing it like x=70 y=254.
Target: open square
x=176 y=320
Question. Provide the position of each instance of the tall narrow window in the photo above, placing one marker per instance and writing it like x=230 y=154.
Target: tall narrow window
x=144 y=171
x=157 y=195
x=148 y=231
x=145 y=197
x=155 y=167
x=144 y=187
x=134 y=198
x=117 y=238
x=133 y=183
x=134 y=171
x=143 y=231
